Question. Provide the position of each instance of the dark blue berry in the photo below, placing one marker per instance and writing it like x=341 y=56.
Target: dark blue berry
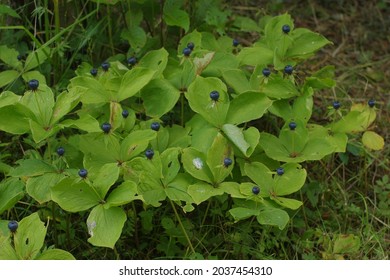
x=292 y=125
x=288 y=69
x=149 y=153
x=336 y=105
x=19 y=57
x=105 y=66
x=266 y=72
x=371 y=103
x=83 y=173
x=191 y=46
x=235 y=43
x=187 y=51
x=286 y=28
x=33 y=84
x=214 y=95
x=227 y=162
x=13 y=226
x=106 y=127
x=256 y=190
x=125 y=113
x=94 y=72
x=280 y=171
x=60 y=151
x=132 y=61
x=155 y=126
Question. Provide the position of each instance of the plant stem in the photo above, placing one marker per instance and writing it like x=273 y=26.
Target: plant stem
x=182 y=227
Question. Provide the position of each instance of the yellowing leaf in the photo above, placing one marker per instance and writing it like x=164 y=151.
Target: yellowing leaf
x=373 y=141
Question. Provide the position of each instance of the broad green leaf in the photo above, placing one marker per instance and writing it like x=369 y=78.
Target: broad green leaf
x=201 y=63
x=231 y=188
x=193 y=37
x=65 y=102
x=55 y=254
x=287 y=202
x=247 y=106
x=39 y=187
x=305 y=43
x=273 y=217
x=346 y=244
x=274 y=148
x=11 y=191
x=106 y=177
x=41 y=103
x=303 y=106
x=75 y=195
x=337 y=140
x=195 y=163
x=40 y=132
x=294 y=140
x=85 y=122
x=283 y=109
x=201 y=192
x=116 y=117
x=241 y=213
x=123 y=194
x=178 y=136
x=217 y=153
x=7 y=77
x=373 y=140
x=156 y=60
x=262 y=176
x=7 y=251
x=9 y=56
x=255 y=56
x=133 y=81
x=177 y=190
x=316 y=149
x=105 y=225
x=274 y=36
x=90 y=89
x=8 y=98
x=174 y=16
x=159 y=97
x=29 y=237
x=246 y=141
x=36 y=58
x=35 y=74
x=357 y=120
x=32 y=167
x=237 y=79
x=279 y=88
x=198 y=95
x=220 y=63
x=202 y=133
x=323 y=78
x=135 y=35
x=170 y=164
x=291 y=181
x=246 y=24
x=13 y=120
x=136 y=142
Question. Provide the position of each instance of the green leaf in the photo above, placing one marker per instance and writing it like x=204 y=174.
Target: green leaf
x=123 y=194
x=159 y=97
x=177 y=190
x=13 y=119
x=74 y=196
x=90 y=89
x=7 y=77
x=203 y=133
x=32 y=167
x=274 y=36
x=9 y=56
x=55 y=254
x=246 y=141
x=133 y=81
x=11 y=191
x=274 y=148
x=305 y=43
x=346 y=244
x=85 y=122
x=40 y=132
x=291 y=181
x=287 y=202
x=156 y=60
x=65 y=102
x=106 y=177
x=198 y=95
x=247 y=106
x=39 y=187
x=242 y=213
x=7 y=251
x=195 y=163
x=36 y=58
x=373 y=140
x=35 y=74
x=135 y=35
x=258 y=55
x=170 y=164
x=357 y=120
x=220 y=63
x=273 y=217
x=136 y=142
x=29 y=237
x=201 y=192
x=237 y=79
x=105 y=226
x=279 y=88
x=262 y=176
x=173 y=16
x=231 y=188
x=219 y=150
x=8 y=98
x=7 y=10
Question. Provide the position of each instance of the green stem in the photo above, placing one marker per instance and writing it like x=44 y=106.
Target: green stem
x=182 y=227
x=182 y=109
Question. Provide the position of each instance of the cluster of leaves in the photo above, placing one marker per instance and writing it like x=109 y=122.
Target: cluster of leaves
x=110 y=138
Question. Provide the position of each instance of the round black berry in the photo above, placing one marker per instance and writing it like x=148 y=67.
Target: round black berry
x=235 y=43
x=105 y=66
x=227 y=162
x=336 y=105
x=132 y=61
x=280 y=171
x=13 y=226
x=191 y=46
x=125 y=113
x=83 y=173
x=19 y=57
x=106 y=127
x=94 y=72
x=60 y=151
x=187 y=51
x=288 y=69
x=214 y=95
x=256 y=190
x=286 y=28
x=292 y=125
x=149 y=153
x=266 y=72
x=155 y=126
x=371 y=103
x=33 y=84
